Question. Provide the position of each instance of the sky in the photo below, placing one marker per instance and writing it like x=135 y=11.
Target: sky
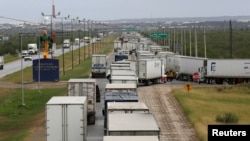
x=101 y=10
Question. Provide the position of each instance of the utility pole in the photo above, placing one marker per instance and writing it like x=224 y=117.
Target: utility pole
x=231 y=39
x=21 y=35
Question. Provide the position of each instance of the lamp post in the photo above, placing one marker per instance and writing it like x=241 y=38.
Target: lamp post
x=79 y=41
x=88 y=37
x=84 y=37
x=92 y=43
x=62 y=41
x=72 y=58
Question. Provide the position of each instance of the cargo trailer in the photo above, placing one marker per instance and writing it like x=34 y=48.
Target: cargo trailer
x=132 y=125
x=116 y=87
x=85 y=87
x=183 y=67
x=99 y=64
x=66 y=118
x=231 y=71
x=149 y=71
x=124 y=79
x=117 y=97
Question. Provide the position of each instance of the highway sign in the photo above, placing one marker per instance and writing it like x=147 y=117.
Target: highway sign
x=188 y=87
x=159 y=35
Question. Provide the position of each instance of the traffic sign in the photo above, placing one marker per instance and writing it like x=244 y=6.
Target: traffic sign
x=188 y=87
x=159 y=35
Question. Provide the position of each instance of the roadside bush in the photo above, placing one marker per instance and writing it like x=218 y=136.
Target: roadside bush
x=227 y=118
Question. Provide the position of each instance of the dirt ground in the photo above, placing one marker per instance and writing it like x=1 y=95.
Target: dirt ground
x=168 y=114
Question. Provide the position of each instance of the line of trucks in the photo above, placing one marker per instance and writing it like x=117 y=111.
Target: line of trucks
x=125 y=116
x=67 y=117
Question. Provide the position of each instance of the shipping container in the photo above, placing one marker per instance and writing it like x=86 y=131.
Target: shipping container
x=66 y=118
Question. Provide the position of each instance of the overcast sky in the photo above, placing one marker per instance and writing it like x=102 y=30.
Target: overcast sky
x=99 y=10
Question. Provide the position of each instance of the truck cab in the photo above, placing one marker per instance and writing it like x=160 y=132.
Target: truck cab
x=24 y=53
x=202 y=72
x=32 y=48
x=66 y=43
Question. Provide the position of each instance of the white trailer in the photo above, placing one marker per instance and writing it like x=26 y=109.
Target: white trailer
x=124 y=80
x=127 y=107
x=130 y=138
x=85 y=87
x=122 y=73
x=132 y=64
x=149 y=70
x=1 y=62
x=132 y=125
x=155 y=49
x=114 y=87
x=232 y=71
x=99 y=64
x=186 y=66
x=66 y=118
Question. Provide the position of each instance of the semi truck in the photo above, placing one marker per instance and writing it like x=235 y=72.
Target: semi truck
x=66 y=43
x=85 y=87
x=183 y=67
x=64 y=115
x=87 y=39
x=231 y=71
x=99 y=63
x=32 y=48
x=149 y=71
x=1 y=62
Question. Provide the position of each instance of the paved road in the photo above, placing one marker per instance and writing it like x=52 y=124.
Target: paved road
x=17 y=65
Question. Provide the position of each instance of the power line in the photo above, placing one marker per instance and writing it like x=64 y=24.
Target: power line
x=15 y=19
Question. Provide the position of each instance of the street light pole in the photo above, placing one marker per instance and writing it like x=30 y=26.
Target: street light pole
x=62 y=41
x=84 y=38
x=72 y=46
x=79 y=40
x=89 y=38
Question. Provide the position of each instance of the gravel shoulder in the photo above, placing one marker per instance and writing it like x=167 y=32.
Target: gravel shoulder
x=168 y=113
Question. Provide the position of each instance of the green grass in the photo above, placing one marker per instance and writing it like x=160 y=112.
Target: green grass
x=15 y=118
x=10 y=58
x=202 y=105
